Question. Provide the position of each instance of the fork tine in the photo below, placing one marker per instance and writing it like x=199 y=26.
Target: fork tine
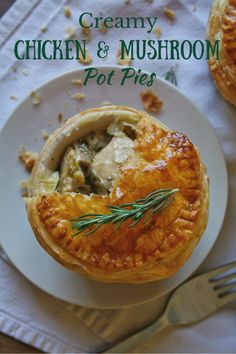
x=215 y=273
x=225 y=286
x=227 y=297
x=224 y=279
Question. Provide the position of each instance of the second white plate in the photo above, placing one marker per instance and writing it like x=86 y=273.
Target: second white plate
x=24 y=127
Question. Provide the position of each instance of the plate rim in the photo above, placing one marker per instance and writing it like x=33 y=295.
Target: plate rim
x=200 y=117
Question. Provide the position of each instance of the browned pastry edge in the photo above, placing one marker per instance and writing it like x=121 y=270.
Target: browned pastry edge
x=222 y=26
x=166 y=268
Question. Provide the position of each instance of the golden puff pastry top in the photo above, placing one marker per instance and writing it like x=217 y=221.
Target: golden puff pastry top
x=222 y=26
x=161 y=159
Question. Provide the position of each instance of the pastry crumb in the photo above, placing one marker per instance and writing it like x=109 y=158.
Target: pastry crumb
x=36 y=98
x=60 y=118
x=77 y=82
x=126 y=61
x=87 y=60
x=157 y=32
x=67 y=11
x=78 y=96
x=213 y=66
x=24 y=188
x=106 y=103
x=151 y=102
x=86 y=31
x=27 y=157
x=13 y=97
x=14 y=69
x=43 y=28
x=170 y=14
x=25 y=72
x=70 y=32
x=44 y=134
x=103 y=28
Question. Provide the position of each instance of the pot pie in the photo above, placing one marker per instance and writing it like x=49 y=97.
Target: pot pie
x=222 y=26
x=110 y=156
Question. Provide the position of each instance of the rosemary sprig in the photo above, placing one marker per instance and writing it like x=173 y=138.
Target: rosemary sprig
x=155 y=203
x=170 y=76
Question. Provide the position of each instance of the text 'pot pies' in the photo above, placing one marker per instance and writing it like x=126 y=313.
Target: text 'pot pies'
x=222 y=27
x=101 y=159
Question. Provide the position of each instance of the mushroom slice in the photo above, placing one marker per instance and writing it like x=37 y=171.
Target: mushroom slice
x=83 y=154
x=71 y=175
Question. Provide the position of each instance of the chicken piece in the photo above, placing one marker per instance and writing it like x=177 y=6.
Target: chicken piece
x=105 y=166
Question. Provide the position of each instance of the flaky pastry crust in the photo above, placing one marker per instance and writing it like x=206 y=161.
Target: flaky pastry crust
x=222 y=26
x=146 y=252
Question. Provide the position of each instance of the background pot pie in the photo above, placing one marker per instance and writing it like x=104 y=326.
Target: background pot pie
x=222 y=26
x=114 y=156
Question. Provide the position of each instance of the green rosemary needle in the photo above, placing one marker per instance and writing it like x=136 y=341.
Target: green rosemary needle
x=155 y=203
x=170 y=76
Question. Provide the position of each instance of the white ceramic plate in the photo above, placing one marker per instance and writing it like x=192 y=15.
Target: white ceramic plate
x=25 y=125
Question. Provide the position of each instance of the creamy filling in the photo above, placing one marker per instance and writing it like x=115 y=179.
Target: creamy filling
x=92 y=164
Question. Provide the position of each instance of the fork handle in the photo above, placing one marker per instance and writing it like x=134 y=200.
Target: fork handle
x=139 y=337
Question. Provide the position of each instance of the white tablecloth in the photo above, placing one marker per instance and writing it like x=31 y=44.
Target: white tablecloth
x=34 y=317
